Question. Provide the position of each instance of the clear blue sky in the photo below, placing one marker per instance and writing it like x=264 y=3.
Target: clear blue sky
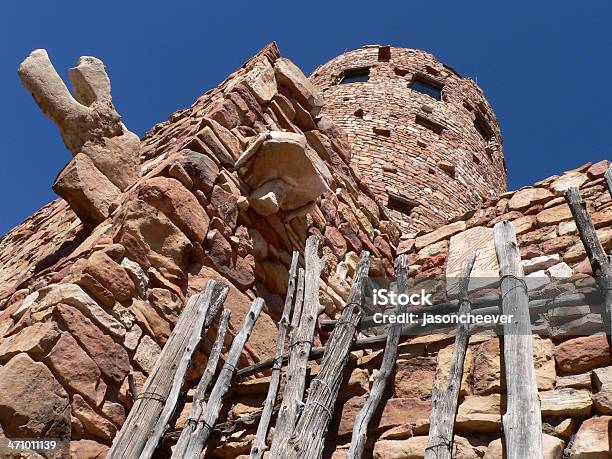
x=545 y=66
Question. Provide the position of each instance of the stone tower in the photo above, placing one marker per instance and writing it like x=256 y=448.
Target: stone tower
x=423 y=137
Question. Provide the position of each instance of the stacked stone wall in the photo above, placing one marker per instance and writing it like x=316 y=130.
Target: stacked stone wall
x=448 y=172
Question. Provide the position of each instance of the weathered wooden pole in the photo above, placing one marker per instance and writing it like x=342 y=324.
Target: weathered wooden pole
x=362 y=421
x=445 y=394
x=197 y=406
x=154 y=406
x=522 y=421
x=259 y=444
x=207 y=420
x=608 y=176
x=301 y=343
x=600 y=263
x=308 y=437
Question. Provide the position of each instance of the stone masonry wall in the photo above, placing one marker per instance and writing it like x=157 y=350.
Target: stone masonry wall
x=83 y=306
x=450 y=172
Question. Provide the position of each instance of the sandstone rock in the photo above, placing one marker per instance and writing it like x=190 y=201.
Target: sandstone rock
x=592 y=441
x=76 y=370
x=486 y=268
x=414 y=377
x=565 y=428
x=93 y=287
x=32 y=402
x=88 y=192
x=552 y=448
x=215 y=146
x=73 y=295
x=289 y=75
x=87 y=449
x=111 y=275
x=92 y=422
x=443 y=232
x=537 y=236
x=414 y=448
x=152 y=240
x=584 y=353
x=146 y=354
x=226 y=204
x=478 y=414
x=220 y=255
x=229 y=140
x=260 y=80
x=444 y=359
x=115 y=412
x=524 y=224
x=544 y=363
x=36 y=340
x=202 y=169
x=567 y=228
x=137 y=274
x=300 y=175
x=560 y=271
x=487 y=367
x=151 y=321
x=267 y=199
x=166 y=303
x=566 y=402
x=540 y=263
x=528 y=197
x=178 y=204
x=602 y=218
x=554 y=215
x=598 y=169
x=581 y=381
x=132 y=338
x=277 y=276
x=571 y=179
x=334 y=239
x=110 y=357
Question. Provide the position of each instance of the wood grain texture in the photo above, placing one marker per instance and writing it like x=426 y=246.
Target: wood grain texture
x=308 y=437
x=150 y=413
x=209 y=417
x=522 y=421
x=445 y=396
x=381 y=380
x=197 y=406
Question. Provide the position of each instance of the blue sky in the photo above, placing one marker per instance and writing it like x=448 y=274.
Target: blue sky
x=545 y=67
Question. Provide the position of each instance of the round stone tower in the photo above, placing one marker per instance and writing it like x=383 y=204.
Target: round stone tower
x=423 y=137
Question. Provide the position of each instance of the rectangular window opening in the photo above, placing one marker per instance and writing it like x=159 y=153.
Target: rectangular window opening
x=401 y=203
x=427 y=85
x=483 y=128
x=356 y=75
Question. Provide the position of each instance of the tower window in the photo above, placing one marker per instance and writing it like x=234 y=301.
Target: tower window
x=427 y=85
x=483 y=128
x=356 y=75
x=401 y=203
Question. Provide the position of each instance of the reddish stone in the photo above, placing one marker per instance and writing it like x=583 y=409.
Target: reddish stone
x=111 y=275
x=530 y=251
x=87 y=449
x=582 y=354
x=111 y=358
x=602 y=218
x=329 y=211
x=405 y=246
x=383 y=247
x=598 y=169
x=178 y=204
x=220 y=255
x=335 y=241
x=352 y=239
x=557 y=244
x=226 y=205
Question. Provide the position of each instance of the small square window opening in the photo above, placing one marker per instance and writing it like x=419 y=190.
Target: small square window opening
x=427 y=85
x=358 y=75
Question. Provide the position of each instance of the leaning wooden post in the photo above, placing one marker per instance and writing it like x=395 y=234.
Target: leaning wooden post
x=445 y=394
x=301 y=343
x=200 y=436
x=608 y=176
x=600 y=263
x=259 y=444
x=308 y=437
x=149 y=416
x=522 y=421
x=200 y=393
x=362 y=421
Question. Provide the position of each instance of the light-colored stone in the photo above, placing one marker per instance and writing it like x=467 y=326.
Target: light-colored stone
x=554 y=215
x=444 y=359
x=92 y=422
x=288 y=74
x=260 y=80
x=571 y=179
x=528 y=197
x=552 y=448
x=566 y=402
x=540 y=263
x=581 y=381
x=567 y=228
x=87 y=449
x=137 y=274
x=146 y=354
x=560 y=271
x=444 y=232
x=73 y=295
x=36 y=340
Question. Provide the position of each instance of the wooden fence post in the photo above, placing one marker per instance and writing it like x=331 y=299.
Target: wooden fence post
x=154 y=406
x=259 y=444
x=362 y=421
x=207 y=421
x=522 y=421
x=308 y=437
x=301 y=343
x=445 y=396
x=200 y=393
x=600 y=263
